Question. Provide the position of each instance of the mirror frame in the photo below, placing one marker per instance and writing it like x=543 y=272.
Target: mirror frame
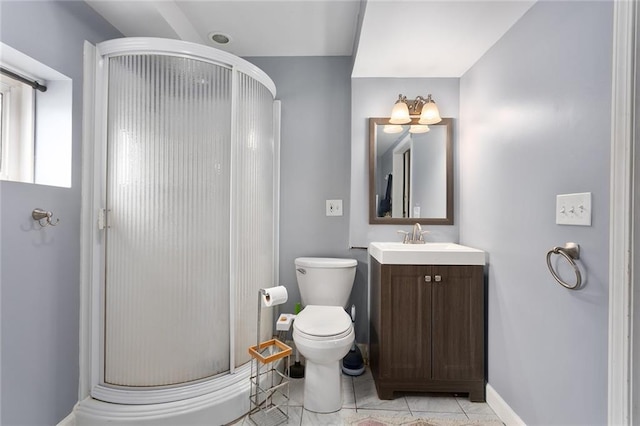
x=373 y=218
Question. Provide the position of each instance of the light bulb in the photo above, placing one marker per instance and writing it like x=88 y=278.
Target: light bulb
x=400 y=113
x=430 y=113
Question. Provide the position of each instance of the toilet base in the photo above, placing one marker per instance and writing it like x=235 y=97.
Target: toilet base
x=322 y=387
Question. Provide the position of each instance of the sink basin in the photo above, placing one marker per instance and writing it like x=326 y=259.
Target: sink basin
x=426 y=254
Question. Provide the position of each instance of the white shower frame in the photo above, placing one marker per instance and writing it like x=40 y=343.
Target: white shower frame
x=226 y=395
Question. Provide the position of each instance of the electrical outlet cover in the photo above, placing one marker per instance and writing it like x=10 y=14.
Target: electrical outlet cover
x=334 y=207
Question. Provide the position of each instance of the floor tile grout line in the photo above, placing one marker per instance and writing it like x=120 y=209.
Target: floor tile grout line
x=408 y=406
x=301 y=416
x=461 y=407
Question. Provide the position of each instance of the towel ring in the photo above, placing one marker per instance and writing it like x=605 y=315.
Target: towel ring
x=571 y=252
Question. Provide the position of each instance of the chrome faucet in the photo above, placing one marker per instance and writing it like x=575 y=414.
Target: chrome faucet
x=415 y=237
x=417 y=233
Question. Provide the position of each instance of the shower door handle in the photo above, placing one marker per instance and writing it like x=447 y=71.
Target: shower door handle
x=103 y=219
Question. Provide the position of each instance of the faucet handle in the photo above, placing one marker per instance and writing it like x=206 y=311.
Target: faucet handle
x=405 y=238
x=422 y=233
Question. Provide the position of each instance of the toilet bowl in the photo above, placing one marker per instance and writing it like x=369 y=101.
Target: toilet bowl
x=323 y=335
x=323 y=332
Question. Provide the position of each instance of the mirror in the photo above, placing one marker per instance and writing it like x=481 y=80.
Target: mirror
x=410 y=174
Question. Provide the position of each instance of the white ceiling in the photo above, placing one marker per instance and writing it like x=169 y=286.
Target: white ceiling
x=398 y=38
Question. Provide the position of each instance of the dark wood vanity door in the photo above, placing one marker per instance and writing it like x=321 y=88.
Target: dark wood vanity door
x=405 y=314
x=427 y=329
x=458 y=323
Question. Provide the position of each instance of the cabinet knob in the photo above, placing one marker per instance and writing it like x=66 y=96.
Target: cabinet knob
x=427 y=278
x=438 y=278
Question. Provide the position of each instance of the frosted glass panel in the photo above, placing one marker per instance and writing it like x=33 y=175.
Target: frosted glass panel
x=167 y=247
x=253 y=191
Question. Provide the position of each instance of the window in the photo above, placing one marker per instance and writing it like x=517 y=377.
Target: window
x=16 y=130
x=1 y=137
x=35 y=124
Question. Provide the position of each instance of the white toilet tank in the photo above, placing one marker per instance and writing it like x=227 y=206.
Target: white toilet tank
x=325 y=281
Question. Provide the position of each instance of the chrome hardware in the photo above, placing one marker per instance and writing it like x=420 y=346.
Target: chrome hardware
x=417 y=234
x=438 y=278
x=102 y=219
x=39 y=215
x=414 y=237
x=302 y=271
x=405 y=236
x=427 y=278
x=571 y=252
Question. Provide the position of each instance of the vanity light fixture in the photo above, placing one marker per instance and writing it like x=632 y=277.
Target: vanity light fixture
x=426 y=108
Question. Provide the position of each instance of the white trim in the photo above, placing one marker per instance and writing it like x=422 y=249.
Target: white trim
x=621 y=205
x=221 y=406
x=86 y=219
x=93 y=198
x=191 y=392
x=277 y=119
x=501 y=408
x=148 y=45
x=1 y=244
x=233 y=234
x=70 y=420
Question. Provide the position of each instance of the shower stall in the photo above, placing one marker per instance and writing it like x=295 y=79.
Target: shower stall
x=180 y=179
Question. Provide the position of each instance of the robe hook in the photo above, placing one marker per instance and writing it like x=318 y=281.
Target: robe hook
x=40 y=214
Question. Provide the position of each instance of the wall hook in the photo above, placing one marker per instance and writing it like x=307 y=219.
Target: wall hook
x=40 y=214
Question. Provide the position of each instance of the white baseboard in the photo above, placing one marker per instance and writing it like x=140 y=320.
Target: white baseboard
x=70 y=420
x=502 y=409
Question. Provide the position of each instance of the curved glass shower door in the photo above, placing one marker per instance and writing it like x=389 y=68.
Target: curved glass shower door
x=167 y=296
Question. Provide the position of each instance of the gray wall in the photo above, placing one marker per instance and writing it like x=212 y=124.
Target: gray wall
x=39 y=275
x=314 y=167
x=535 y=122
x=374 y=97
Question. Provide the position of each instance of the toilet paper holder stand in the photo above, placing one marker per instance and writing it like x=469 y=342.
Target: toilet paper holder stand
x=262 y=408
x=256 y=351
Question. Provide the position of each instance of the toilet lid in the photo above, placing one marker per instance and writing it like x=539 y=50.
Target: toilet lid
x=325 y=262
x=322 y=321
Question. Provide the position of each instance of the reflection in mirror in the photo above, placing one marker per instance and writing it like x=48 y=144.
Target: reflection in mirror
x=410 y=173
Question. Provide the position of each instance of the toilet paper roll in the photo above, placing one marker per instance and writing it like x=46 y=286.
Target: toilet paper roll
x=274 y=296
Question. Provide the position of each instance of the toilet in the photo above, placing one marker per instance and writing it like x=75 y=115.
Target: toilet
x=323 y=331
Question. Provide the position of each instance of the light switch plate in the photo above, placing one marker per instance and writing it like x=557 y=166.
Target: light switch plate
x=573 y=209
x=334 y=207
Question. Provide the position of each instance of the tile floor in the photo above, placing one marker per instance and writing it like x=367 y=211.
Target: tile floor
x=359 y=397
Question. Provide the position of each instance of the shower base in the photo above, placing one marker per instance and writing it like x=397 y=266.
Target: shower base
x=218 y=407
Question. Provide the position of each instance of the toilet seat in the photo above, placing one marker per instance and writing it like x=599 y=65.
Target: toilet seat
x=323 y=323
x=325 y=262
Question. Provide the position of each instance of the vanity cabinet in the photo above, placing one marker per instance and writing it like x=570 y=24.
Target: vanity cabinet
x=427 y=329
